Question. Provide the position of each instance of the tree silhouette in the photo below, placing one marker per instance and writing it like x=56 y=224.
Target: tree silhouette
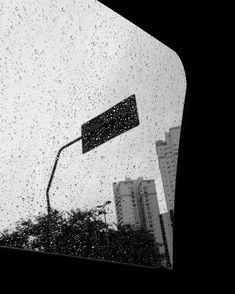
x=82 y=233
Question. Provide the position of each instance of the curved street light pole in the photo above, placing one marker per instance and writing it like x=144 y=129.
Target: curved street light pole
x=49 y=237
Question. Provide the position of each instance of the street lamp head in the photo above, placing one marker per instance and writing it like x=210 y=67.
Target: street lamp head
x=102 y=206
x=99 y=206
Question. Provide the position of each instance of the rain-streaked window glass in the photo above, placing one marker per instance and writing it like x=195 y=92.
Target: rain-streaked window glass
x=90 y=118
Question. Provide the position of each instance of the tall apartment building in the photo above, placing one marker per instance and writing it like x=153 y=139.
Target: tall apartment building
x=167 y=152
x=137 y=205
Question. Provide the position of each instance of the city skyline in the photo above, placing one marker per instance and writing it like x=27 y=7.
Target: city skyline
x=136 y=201
x=63 y=63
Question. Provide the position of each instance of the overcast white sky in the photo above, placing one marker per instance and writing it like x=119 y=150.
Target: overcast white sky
x=61 y=64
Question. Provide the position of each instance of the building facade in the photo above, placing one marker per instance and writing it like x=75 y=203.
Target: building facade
x=167 y=152
x=136 y=204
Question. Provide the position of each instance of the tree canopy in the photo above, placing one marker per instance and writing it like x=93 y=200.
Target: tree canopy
x=83 y=234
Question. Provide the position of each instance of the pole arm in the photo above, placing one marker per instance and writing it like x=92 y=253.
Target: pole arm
x=53 y=171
